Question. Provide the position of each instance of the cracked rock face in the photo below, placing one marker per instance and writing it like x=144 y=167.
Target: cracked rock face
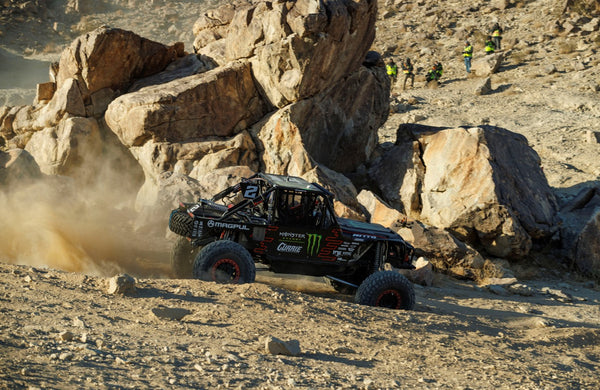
x=484 y=184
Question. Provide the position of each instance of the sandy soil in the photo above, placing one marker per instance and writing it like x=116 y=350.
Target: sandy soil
x=63 y=330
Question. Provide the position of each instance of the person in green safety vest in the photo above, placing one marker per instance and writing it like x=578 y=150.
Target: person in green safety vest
x=490 y=47
x=468 y=54
x=407 y=69
x=435 y=73
x=392 y=70
x=497 y=36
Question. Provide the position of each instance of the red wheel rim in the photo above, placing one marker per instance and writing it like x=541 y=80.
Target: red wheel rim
x=225 y=271
x=390 y=299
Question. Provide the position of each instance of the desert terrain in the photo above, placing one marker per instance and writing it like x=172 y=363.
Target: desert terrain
x=62 y=328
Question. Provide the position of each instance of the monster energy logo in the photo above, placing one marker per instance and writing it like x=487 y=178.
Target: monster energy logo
x=314 y=243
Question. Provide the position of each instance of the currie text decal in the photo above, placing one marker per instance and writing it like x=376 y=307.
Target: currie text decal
x=287 y=248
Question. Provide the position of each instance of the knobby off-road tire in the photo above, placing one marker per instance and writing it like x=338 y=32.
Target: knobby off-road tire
x=225 y=262
x=183 y=254
x=181 y=223
x=386 y=289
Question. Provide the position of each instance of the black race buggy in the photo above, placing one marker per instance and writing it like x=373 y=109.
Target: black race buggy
x=289 y=225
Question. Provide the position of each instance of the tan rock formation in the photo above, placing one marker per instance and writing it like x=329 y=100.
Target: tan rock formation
x=440 y=247
x=221 y=102
x=17 y=166
x=336 y=183
x=297 y=49
x=112 y=58
x=379 y=211
x=580 y=229
x=54 y=151
x=484 y=184
x=486 y=65
x=587 y=252
x=328 y=129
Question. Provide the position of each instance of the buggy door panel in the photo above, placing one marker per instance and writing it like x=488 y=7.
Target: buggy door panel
x=307 y=230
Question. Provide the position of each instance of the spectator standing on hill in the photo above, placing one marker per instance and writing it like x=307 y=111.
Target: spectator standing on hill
x=490 y=47
x=468 y=54
x=392 y=70
x=407 y=68
x=497 y=36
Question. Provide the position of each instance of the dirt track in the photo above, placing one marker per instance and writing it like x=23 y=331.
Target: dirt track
x=458 y=336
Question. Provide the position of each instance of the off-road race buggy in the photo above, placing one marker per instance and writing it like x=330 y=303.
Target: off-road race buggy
x=289 y=225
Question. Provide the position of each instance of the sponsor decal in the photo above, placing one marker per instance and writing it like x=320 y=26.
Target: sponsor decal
x=287 y=248
x=360 y=237
x=216 y=224
x=194 y=208
x=295 y=238
x=197 y=228
x=314 y=243
x=291 y=235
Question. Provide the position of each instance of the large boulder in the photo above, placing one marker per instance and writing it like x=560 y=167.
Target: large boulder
x=485 y=66
x=587 y=250
x=339 y=185
x=157 y=197
x=221 y=102
x=484 y=184
x=17 y=166
x=329 y=128
x=580 y=231
x=297 y=49
x=378 y=211
x=67 y=101
x=195 y=160
x=112 y=58
x=68 y=147
x=445 y=251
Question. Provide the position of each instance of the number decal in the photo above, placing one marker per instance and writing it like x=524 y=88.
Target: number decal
x=251 y=192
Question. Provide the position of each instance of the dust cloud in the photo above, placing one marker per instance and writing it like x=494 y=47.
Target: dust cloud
x=80 y=225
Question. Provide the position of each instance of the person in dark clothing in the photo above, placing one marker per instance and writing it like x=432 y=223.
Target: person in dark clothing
x=407 y=69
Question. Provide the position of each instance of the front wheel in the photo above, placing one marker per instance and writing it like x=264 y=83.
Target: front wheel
x=225 y=262
x=386 y=289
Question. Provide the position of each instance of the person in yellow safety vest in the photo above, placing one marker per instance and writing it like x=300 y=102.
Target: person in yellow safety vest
x=392 y=70
x=407 y=68
x=489 y=45
x=468 y=54
x=497 y=36
x=435 y=73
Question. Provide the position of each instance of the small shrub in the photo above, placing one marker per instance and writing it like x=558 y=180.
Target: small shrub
x=566 y=47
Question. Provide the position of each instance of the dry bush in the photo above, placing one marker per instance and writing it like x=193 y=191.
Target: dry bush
x=519 y=57
x=589 y=8
x=566 y=47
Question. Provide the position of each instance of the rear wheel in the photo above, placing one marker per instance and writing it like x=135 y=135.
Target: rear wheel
x=386 y=289
x=225 y=262
x=183 y=254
